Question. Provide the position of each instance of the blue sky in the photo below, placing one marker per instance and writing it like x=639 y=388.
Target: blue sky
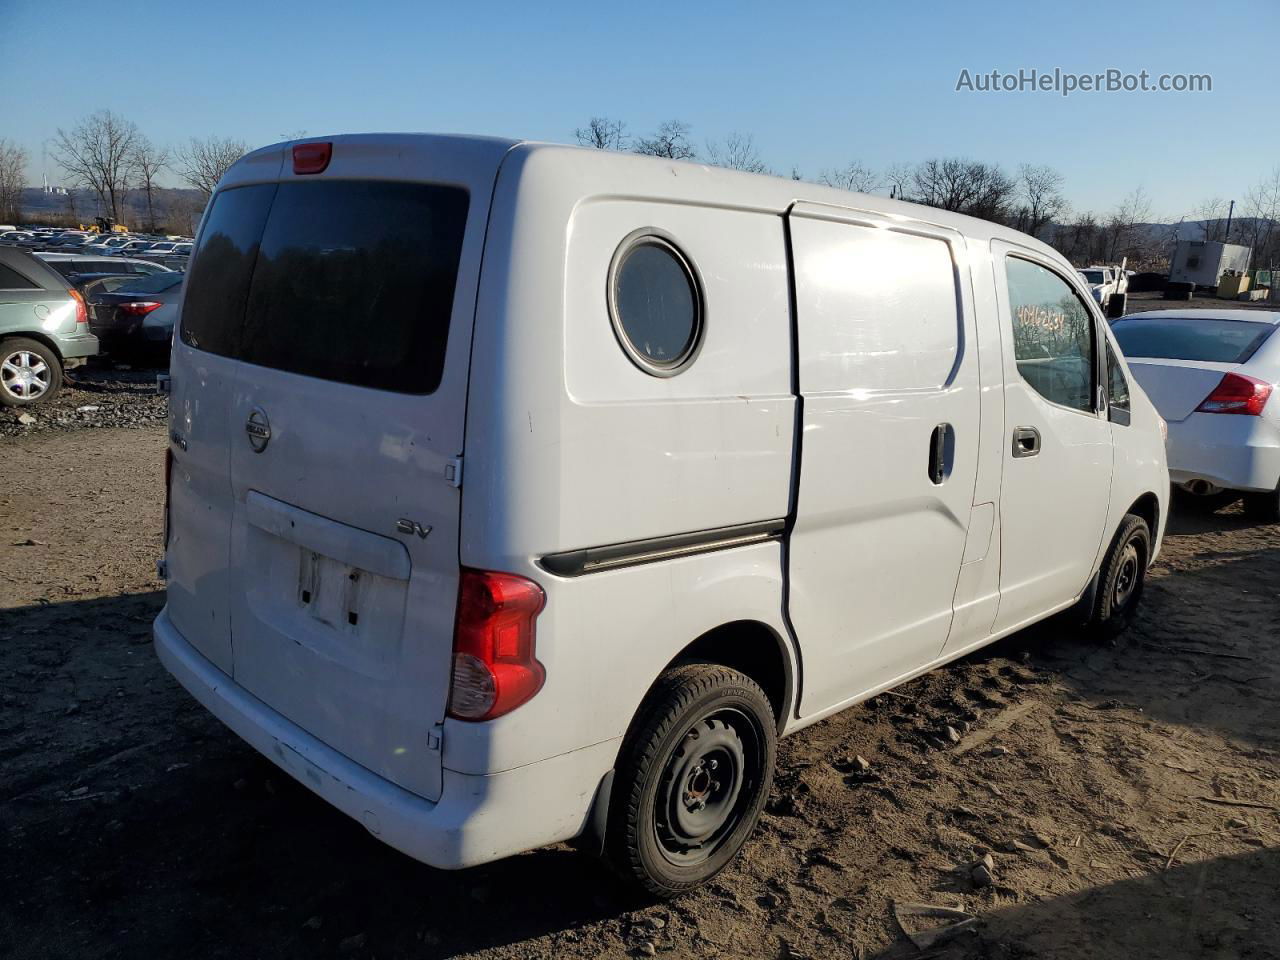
x=816 y=84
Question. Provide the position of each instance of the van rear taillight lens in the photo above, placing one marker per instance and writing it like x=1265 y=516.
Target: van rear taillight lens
x=1237 y=393
x=494 y=666
x=139 y=308
x=311 y=157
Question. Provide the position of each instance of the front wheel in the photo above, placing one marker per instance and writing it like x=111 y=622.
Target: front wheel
x=1122 y=577
x=693 y=774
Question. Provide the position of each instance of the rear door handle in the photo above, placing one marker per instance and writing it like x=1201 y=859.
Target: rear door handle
x=1026 y=441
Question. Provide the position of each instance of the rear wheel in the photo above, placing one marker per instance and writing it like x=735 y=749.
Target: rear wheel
x=1122 y=577
x=29 y=372
x=1264 y=507
x=693 y=775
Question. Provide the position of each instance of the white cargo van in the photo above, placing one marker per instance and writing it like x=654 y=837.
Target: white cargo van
x=521 y=493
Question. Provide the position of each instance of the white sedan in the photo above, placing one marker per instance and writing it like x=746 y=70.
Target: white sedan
x=1211 y=374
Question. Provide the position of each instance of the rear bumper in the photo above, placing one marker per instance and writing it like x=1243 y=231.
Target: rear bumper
x=1231 y=451
x=74 y=348
x=477 y=818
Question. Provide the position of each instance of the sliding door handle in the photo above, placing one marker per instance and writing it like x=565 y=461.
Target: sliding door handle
x=1026 y=441
x=942 y=453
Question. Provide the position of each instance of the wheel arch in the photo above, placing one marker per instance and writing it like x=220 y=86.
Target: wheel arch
x=755 y=649
x=39 y=337
x=1147 y=507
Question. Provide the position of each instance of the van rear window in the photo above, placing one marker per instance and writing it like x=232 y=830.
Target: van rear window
x=343 y=280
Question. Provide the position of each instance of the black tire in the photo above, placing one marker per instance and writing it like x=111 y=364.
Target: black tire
x=1122 y=578
x=1263 y=507
x=693 y=773
x=18 y=388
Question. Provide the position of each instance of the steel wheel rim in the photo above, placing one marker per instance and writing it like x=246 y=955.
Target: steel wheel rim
x=25 y=375
x=1127 y=577
x=707 y=784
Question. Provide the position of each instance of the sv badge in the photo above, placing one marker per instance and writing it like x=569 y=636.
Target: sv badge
x=411 y=527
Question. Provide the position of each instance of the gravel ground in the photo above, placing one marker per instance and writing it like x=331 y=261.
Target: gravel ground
x=1127 y=795
x=94 y=396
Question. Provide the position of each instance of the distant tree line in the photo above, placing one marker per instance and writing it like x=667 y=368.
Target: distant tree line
x=108 y=156
x=1030 y=199
x=118 y=165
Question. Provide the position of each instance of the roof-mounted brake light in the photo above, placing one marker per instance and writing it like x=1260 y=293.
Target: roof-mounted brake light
x=311 y=157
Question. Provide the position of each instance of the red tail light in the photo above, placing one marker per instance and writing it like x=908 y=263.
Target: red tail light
x=494 y=667
x=1237 y=394
x=138 y=308
x=311 y=157
x=82 y=312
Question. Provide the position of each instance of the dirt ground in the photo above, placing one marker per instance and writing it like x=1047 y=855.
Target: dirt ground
x=1128 y=795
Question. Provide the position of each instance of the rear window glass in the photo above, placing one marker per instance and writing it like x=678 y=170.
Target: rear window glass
x=349 y=281
x=1190 y=338
x=155 y=283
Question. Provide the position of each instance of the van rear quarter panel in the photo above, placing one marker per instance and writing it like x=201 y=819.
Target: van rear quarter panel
x=570 y=445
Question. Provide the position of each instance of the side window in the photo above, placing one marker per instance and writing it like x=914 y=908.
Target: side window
x=11 y=279
x=1053 y=335
x=1117 y=389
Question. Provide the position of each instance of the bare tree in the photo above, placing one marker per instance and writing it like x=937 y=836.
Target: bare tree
x=737 y=153
x=98 y=153
x=149 y=160
x=671 y=141
x=1262 y=207
x=898 y=176
x=13 y=178
x=1123 y=230
x=965 y=186
x=182 y=211
x=1040 y=198
x=603 y=134
x=1212 y=216
x=1078 y=238
x=852 y=176
x=203 y=162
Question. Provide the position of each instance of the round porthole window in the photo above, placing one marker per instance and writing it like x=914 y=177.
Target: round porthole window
x=655 y=303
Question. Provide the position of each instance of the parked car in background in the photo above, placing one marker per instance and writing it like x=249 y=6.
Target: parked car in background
x=1105 y=283
x=106 y=245
x=487 y=584
x=34 y=241
x=135 y=315
x=44 y=329
x=80 y=269
x=132 y=247
x=13 y=237
x=1212 y=374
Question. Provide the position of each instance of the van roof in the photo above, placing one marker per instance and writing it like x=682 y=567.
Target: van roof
x=700 y=182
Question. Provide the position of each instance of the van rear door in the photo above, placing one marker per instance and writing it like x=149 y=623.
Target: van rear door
x=345 y=408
